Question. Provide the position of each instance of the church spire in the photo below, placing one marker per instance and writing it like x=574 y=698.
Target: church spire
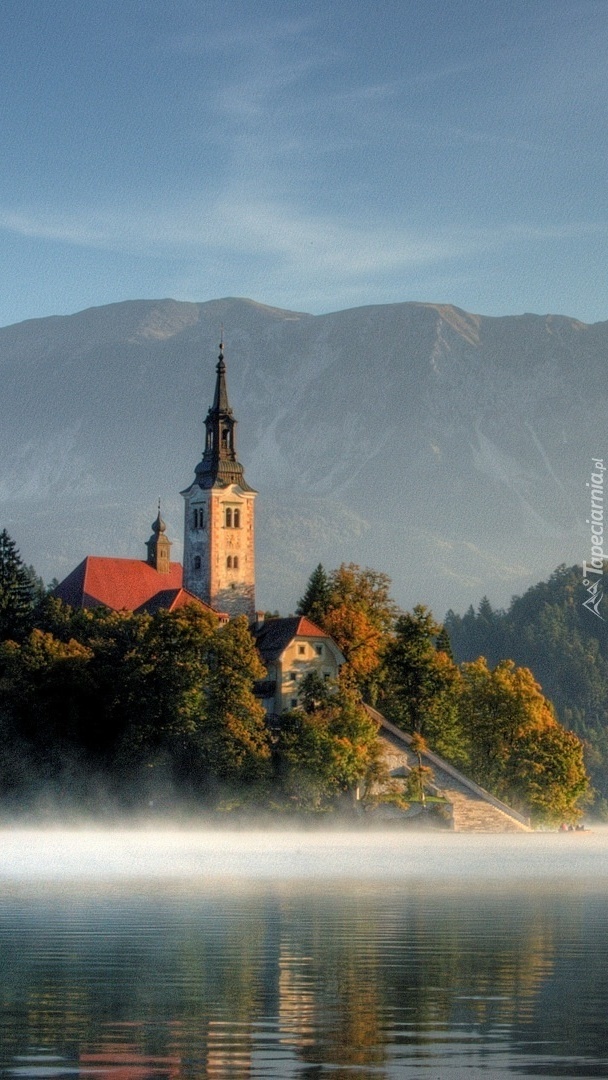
x=220 y=400
x=219 y=465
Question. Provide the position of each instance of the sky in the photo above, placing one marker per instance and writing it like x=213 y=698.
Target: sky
x=312 y=156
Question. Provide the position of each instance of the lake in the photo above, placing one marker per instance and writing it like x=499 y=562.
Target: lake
x=185 y=954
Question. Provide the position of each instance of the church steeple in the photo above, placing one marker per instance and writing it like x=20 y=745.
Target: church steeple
x=219 y=535
x=219 y=465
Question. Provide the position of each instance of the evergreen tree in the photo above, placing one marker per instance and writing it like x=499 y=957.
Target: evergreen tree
x=443 y=643
x=316 y=599
x=16 y=591
x=421 y=684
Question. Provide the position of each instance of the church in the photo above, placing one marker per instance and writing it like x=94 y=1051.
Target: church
x=218 y=572
x=218 y=575
x=219 y=536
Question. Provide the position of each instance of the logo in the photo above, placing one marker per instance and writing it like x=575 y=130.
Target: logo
x=593 y=571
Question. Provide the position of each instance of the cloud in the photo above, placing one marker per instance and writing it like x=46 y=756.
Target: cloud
x=239 y=225
x=241 y=228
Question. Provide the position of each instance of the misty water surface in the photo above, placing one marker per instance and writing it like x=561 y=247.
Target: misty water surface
x=176 y=953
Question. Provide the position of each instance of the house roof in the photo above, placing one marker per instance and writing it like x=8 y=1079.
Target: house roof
x=125 y=585
x=173 y=600
x=273 y=637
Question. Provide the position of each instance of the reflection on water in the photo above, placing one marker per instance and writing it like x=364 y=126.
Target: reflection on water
x=195 y=978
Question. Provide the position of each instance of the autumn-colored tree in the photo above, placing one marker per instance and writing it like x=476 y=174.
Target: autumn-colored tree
x=354 y=606
x=547 y=773
x=358 y=639
x=517 y=748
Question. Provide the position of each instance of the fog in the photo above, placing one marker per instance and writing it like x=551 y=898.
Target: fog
x=55 y=854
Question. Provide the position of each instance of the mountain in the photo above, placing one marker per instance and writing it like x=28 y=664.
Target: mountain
x=448 y=449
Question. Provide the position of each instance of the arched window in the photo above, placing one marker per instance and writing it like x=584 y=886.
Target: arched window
x=237 y=519
x=228 y=518
x=235 y=562
x=226 y=438
x=199 y=518
x=197 y=562
x=229 y=562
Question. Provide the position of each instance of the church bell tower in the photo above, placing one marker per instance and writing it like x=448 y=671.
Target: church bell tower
x=219 y=532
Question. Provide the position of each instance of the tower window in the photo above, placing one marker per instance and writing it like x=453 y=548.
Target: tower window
x=228 y=518
x=237 y=519
x=197 y=562
x=226 y=438
x=235 y=562
x=199 y=518
x=229 y=562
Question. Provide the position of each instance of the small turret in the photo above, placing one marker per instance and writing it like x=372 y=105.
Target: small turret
x=159 y=546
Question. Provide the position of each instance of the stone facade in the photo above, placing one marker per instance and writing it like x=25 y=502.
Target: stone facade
x=219 y=522
x=219 y=547
x=290 y=649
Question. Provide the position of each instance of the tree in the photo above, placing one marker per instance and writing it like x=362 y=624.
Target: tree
x=327 y=752
x=234 y=738
x=315 y=692
x=419 y=746
x=517 y=748
x=193 y=715
x=353 y=605
x=156 y=705
x=547 y=772
x=316 y=599
x=45 y=697
x=549 y=631
x=16 y=591
x=422 y=684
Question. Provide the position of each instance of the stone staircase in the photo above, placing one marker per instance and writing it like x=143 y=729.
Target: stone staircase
x=472 y=808
x=474 y=814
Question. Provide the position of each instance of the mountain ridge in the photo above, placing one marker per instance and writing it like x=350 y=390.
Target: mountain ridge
x=447 y=448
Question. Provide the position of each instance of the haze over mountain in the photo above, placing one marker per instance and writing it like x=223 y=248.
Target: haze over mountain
x=448 y=449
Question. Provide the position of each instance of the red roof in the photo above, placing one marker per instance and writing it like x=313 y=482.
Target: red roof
x=173 y=600
x=124 y=585
x=274 y=635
